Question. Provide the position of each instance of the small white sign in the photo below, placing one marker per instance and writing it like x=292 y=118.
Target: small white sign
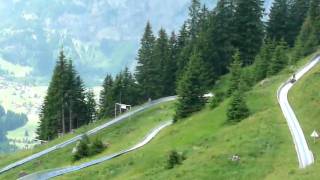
x=314 y=134
x=123 y=106
x=209 y=95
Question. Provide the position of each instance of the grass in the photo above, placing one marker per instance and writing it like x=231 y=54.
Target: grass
x=262 y=141
x=9 y=158
x=130 y=132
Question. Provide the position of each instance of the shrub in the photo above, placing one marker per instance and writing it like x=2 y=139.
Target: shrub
x=85 y=149
x=97 y=147
x=82 y=150
x=174 y=159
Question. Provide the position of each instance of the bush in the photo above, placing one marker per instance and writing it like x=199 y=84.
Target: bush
x=82 y=150
x=97 y=147
x=174 y=159
x=85 y=149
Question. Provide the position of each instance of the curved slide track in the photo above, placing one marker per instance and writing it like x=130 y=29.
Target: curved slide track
x=91 y=132
x=43 y=175
x=305 y=156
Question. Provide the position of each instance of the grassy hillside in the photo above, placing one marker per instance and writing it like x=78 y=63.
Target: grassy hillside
x=119 y=136
x=262 y=141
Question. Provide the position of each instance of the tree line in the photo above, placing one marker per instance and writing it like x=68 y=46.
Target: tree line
x=9 y=121
x=230 y=38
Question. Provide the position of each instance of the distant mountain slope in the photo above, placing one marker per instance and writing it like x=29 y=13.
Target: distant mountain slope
x=101 y=35
x=9 y=121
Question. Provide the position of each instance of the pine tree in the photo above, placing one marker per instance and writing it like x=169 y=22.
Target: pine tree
x=309 y=37
x=263 y=60
x=298 y=10
x=118 y=88
x=162 y=66
x=219 y=37
x=146 y=64
x=277 y=26
x=106 y=102
x=81 y=118
x=191 y=89
x=183 y=50
x=62 y=91
x=248 y=29
x=70 y=96
x=130 y=90
x=194 y=18
x=51 y=115
x=279 y=59
x=64 y=105
x=91 y=106
x=172 y=65
x=188 y=35
x=204 y=17
x=202 y=49
x=235 y=72
x=237 y=109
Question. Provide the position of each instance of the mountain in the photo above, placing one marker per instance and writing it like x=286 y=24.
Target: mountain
x=101 y=36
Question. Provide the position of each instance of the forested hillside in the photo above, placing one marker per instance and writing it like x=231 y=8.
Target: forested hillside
x=9 y=121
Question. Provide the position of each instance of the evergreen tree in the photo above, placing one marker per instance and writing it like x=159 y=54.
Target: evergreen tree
x=235 y=72
x=146 y=67
x=81 y=117
x=163 y=60
x=191 y=89
x=278 y=27
x=188 y=34
x=123 y=89
x=194 y=18
x=106 y=102
x=219 y=37
x=248 y=29
x=237 y=109
x=171 y=67
x=203 y=19
x=51 y=111
x=91 y=106
x=263 y=60
x=183 y=50
x=64 y=106
x=279 y=59
x=309 y=37
x=70 y=97
x=118 y=88
x=202 y=49
x=298 y=10
x=130 y=89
